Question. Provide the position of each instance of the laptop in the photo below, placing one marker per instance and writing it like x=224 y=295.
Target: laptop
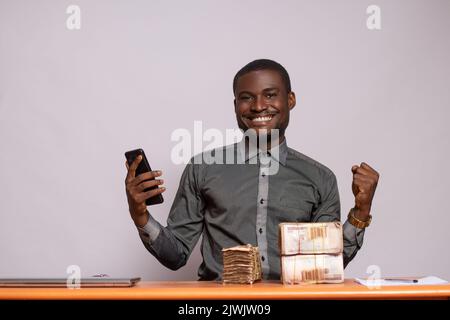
x=89 y=282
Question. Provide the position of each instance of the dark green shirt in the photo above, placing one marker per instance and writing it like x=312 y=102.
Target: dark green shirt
x=235 y=204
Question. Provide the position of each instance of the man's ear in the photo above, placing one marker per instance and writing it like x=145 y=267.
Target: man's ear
x=234 y=102
x=291 y=100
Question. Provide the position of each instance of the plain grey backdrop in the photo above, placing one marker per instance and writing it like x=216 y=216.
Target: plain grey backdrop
x=73 y=101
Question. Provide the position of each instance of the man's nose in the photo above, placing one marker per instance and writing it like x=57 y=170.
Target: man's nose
x=259 y=105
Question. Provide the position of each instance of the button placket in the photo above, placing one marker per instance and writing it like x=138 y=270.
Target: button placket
x=261 y=217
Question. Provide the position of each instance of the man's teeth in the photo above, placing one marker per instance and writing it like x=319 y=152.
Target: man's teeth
x=260 y=119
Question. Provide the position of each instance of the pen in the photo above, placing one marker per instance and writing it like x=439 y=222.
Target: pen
x=404 y=280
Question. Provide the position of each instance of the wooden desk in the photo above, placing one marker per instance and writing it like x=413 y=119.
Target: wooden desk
x=215 y=290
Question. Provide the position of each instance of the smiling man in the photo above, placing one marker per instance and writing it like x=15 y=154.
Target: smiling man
x=234 y=204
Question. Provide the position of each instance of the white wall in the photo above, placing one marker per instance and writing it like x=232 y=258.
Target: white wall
x=72 y=102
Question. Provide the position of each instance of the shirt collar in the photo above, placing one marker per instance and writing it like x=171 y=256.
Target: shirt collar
x=278 y=153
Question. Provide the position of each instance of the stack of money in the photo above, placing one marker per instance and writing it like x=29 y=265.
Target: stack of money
x=311 y=238
x=311 y=252
x=241 y=264
x=312 y=268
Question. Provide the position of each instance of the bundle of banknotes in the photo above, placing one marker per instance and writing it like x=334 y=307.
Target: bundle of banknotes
x=241 y=264
x=311 y=252
x=311 y=238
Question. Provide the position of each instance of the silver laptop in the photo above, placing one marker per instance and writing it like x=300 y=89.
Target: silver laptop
x=90 y=282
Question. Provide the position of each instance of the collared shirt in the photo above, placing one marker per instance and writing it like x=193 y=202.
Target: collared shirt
x=243 y=203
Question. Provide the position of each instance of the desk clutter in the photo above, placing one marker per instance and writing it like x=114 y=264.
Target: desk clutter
x=311 y=253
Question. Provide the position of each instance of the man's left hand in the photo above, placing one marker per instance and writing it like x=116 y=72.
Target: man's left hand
x=365 y=180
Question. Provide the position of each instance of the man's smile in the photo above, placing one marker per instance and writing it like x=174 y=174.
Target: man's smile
x=259 y=119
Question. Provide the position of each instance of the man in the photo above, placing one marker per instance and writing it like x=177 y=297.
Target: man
x=239 y=204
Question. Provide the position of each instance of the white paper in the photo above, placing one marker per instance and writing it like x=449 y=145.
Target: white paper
x=430 y=280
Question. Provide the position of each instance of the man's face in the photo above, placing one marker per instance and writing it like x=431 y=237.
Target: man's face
x=262 y=101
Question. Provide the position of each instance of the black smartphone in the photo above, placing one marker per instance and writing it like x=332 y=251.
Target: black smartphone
x=143 y=167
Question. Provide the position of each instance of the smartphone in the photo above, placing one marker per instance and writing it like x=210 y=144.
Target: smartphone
x=142 y=168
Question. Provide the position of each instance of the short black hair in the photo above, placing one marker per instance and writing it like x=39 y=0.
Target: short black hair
x=264 y=64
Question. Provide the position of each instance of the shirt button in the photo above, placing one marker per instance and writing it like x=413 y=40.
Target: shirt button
x=263 y=174
x=260 y=230
x=261 y=201
x=262 y=258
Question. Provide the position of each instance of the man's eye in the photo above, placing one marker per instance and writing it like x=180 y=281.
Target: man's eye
x=246 y=98
x=271 y=95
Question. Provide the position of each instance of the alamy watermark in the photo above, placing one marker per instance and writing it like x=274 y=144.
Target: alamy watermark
x=233 y=147
x=74 y=277
x=73 y=21
x=374 y=278
x=373 y=21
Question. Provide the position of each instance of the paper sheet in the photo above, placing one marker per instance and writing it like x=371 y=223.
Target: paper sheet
x=430 y=280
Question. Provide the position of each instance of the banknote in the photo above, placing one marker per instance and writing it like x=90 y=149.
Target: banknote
x=310 y=238
x=319 y=268
x=241 y=264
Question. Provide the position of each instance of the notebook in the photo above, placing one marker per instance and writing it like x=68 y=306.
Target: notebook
x=90 y=282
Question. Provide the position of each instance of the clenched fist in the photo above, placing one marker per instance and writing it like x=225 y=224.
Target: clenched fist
x=365 y=180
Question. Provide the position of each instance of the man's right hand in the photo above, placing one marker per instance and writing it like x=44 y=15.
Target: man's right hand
x=136 y=195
